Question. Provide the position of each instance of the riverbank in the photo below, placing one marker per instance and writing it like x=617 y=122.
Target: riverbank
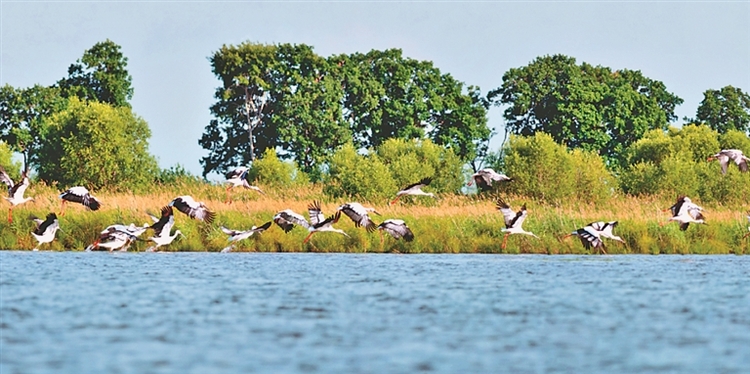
x=450 y=224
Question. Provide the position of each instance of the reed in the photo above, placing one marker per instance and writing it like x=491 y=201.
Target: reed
x=450 y=224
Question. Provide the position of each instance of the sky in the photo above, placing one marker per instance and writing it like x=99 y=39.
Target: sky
x=691 y=46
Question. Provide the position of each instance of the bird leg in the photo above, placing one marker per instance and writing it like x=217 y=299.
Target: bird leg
x=62 y=208
x=228 y=201
x=394 y=200
x=308 y=237
x=10 y=215
x=505 y=240
x=746 y=235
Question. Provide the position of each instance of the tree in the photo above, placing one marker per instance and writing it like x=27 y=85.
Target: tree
x=583 y=106
x=101 y=75
x=22 y=114
x=98 y=146
x=725 y=109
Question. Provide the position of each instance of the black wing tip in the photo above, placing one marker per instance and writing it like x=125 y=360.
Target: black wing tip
x=210 y=216
x=371 y=227
x=266 y=225
x=315 y=205
x=408 y=235
x=51 y=216
x=426 y=181
x=94 y=204
x=501 y=204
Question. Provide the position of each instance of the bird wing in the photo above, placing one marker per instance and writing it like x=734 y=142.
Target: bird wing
x=358 y=214
x=508 y=214
x=286 y=219
x=49 y=223
x=723 y=161
x=19 y=189
x=482 y=182
x=422 y=183
x=263 y=227
x=328 y=221
x=742 y=164
x=165 y=223
x=519 y=218
x=237 y=173
x=397 y=229
x=590 y=237
x=229 y=232
x=316 y=214
x=5 y=178
x=677 y=207
x=193 y=209
x=82 y=196
x=696 y=212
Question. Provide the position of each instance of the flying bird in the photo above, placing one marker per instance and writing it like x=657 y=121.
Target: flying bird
x=396 y=228
x=590 y=238
x=117 y=236
x=193 y=209
x=735 y=155
x=238 y=177
x=287 y=219
x=605 y=230
x=45 y=230
x=484 y=178
x=79 y=195
x=513 y=220
x=359 y=215
x=162 y=229
x=235 y=235
x=685 y=212
x=414 y=190
x=15 y=191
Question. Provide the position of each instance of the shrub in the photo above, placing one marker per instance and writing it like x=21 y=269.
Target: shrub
x=270 y=171
x=353 y=175
x=411 y=160
x=6 y=162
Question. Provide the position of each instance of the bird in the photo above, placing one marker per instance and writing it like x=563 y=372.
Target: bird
x=79 y=195
x=235 y=235
x=15 y=191
x=286 y=219
x=485 y=177
x=605 y=230
x=590 y=238
x=748 y=218
x=112 y=234
x=359 y=215
x=45 y=230
x=193 y=209
x=414 y=189
x=396 y=228
x=238 y=177
x=735 y=155
x=685 y=212
x=162 y=229
x=513 y=220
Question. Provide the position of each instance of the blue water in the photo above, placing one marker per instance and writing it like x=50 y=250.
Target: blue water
x=345 y=313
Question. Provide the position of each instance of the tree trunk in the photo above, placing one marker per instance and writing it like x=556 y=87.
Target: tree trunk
x=249 y=125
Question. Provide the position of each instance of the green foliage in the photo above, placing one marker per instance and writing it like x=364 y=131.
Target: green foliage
x=353 y=175
x=547 y=171
x=272 y=172
x=583 y=106
x=674 y=163
x=97 y=146
x=410 y=160
x=177 y=175
x=6 y=162
x=725 y=109
x=100 y=75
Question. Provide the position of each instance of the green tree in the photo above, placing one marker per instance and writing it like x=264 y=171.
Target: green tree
x=98 y=146
x=7 y=163
x=269 y=171
x=22 y=114
x=725 y=109
x=101 y=75
x=583 y=106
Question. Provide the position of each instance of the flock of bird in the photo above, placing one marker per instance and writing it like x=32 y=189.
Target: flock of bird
x=120 y=237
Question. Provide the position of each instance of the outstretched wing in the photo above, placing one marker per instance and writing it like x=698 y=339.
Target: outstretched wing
x=508 y=214
x=422 y=183
x=165 y=223
x=286 y=219
x=239 y=172
x=590 y=238
x=397 y=229
x=19 y=189
x=329 y=221
x=5 y=178
x=193 y=209
x=316 y=214
x=359 y=216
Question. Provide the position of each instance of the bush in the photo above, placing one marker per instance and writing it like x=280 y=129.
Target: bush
x=7 y=163
x=270 y=171
x=410 y=160
x=176 y=175
x=353 y=175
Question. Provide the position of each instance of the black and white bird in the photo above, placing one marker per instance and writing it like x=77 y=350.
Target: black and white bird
x=735 y=155
x=590 y=238
x=286 y=219
x=236 y=235
x=162 y=229
x=79 y=195
x=193 y=209
x=359 y=215
x=605 y=230
x=396 y=228
x=237 y=178
x=15 y=191
x=117 y=237
x=513 y=220
x=414 y=190
x=685 y=212
x=485 y=177
x=45 y=230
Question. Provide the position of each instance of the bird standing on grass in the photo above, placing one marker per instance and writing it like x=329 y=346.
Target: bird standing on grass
x=45 y=230
x=15 y=191
x=735 y=155
x=396 y=228
x=359 y=215
x=238 y=177
x=79 y=195
x=235 y=235
x=414 y=190
x=513 y=220
x=685 y=212
x=193 y=209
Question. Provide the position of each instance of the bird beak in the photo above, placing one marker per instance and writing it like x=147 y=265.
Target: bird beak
x=376 y=212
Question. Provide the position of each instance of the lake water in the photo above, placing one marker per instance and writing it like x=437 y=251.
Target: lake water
x=344 y=313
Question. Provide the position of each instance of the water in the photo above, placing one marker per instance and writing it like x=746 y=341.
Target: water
x=248 y=312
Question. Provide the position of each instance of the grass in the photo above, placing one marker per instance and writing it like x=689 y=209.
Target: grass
x=451 y=224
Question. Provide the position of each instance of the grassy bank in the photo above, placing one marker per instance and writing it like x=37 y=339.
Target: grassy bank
x=451 y=224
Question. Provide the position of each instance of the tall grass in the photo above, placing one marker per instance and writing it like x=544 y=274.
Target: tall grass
x=450 y=224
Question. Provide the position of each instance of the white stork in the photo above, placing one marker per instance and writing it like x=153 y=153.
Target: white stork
x=513 y=220
x=117 y=233
x=79 y=195
x=45 y=230
x=193 y=209
x=286 y=219
x=235 y=235
x=414 y=190
x=162 y=229
x=15 y=191
x=685 y=212
x=396 y=228
x=605 y=230
x=748 y=218
x=735 y=155
x=590 y=238
x=238 y=177
x=359 y=215
x=485 y=177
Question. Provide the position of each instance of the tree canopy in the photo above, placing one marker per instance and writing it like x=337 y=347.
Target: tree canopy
x=582 y=106
x=725 y=109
